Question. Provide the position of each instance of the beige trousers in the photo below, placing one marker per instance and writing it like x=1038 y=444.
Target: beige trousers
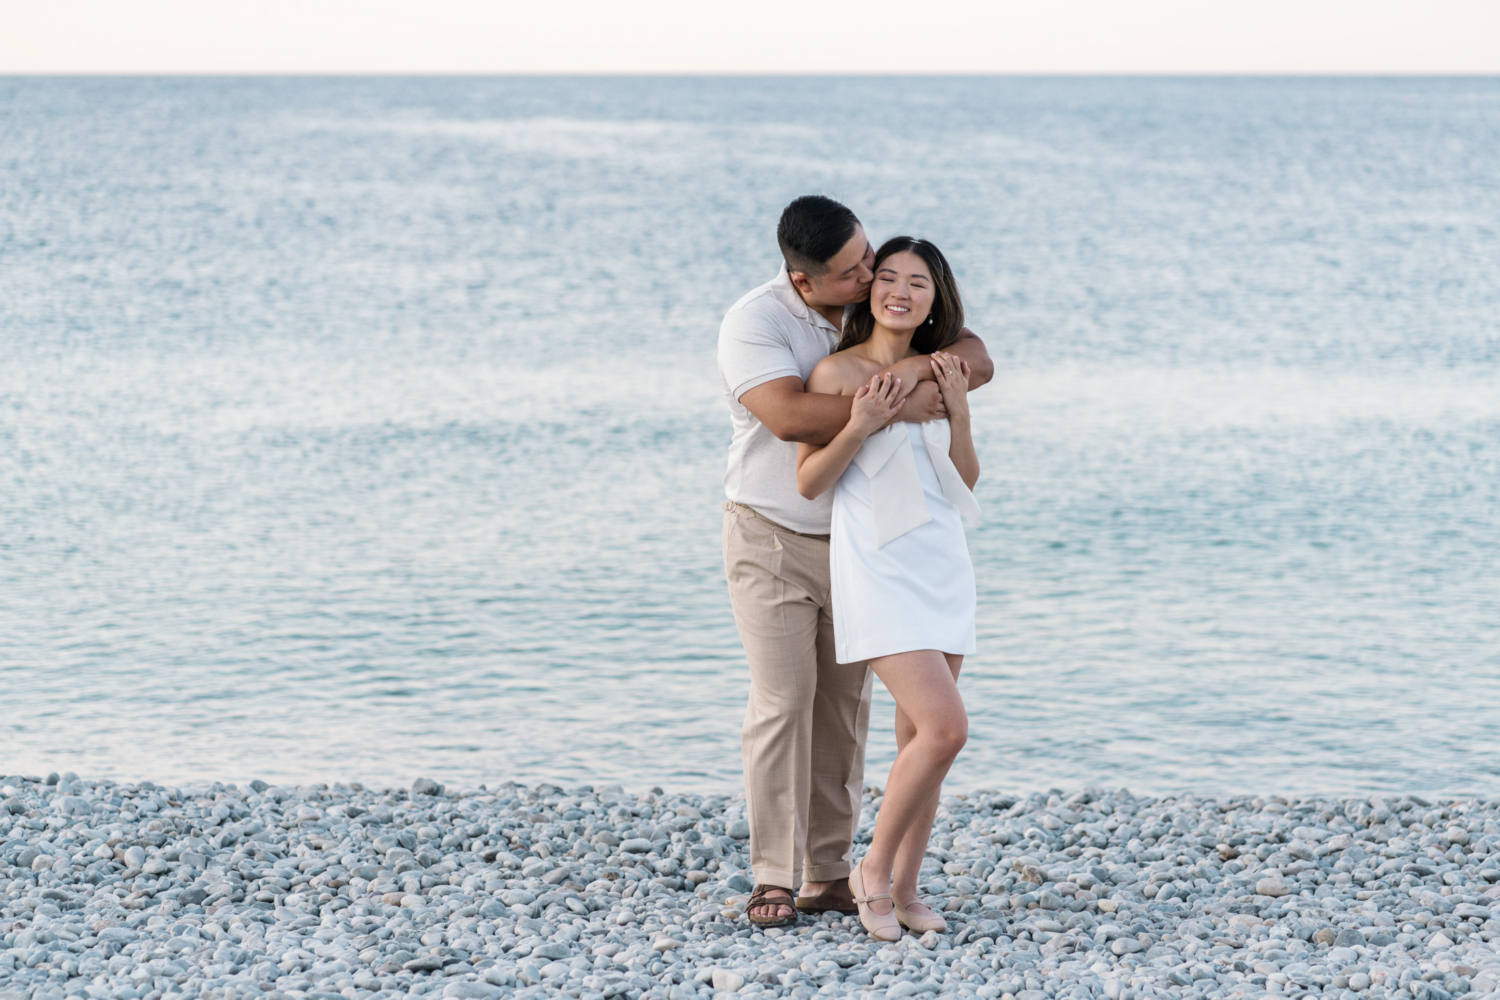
x=804 y=735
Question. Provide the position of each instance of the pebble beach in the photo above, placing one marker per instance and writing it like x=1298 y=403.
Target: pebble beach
x=342 y=892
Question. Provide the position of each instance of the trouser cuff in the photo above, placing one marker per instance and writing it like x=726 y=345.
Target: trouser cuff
x=831 y=872
x=765 y=875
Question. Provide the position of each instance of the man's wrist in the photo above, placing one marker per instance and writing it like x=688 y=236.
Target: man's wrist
x=912 y=370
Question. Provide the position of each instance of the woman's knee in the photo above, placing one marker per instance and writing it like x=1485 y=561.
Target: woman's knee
x=945 y=738
x=955 y=737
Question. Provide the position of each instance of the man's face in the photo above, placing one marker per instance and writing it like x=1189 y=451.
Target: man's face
x=848 y=277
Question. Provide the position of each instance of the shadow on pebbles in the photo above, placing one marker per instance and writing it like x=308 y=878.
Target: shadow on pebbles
x=144 y=892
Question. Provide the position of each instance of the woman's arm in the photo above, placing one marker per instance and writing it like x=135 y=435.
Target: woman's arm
x=820 y=466
x=952 y=374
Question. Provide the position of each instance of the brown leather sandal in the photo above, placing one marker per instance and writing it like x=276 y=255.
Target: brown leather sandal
x=771 y=896
x=836 y=897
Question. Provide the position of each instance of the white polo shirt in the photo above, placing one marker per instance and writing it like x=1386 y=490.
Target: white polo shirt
x=768 y=334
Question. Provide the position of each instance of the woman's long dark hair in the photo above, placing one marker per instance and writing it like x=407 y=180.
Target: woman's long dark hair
x=947 y=316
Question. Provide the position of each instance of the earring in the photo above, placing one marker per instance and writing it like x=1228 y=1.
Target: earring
x=929 y=320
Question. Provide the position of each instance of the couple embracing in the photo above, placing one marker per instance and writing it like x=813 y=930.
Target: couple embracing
x=849 y=486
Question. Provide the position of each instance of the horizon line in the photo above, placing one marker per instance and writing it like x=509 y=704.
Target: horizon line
x=763 y=74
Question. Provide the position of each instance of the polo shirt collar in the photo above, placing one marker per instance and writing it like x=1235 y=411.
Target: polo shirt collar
x=795 y=304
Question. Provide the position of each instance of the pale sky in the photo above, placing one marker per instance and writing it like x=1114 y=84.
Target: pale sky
x=768 y=36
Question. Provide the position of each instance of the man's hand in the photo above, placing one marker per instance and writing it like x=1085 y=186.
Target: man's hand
x=924 y=403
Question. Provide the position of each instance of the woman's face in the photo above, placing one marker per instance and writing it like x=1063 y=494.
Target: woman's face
x=902 y=295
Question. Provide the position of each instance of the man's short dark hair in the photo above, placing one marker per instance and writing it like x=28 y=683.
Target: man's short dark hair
x=813 y=229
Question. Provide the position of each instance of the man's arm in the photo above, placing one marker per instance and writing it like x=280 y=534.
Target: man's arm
x=968 y=347
x=793 y=414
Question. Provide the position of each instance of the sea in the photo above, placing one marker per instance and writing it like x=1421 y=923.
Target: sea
x=361 y=429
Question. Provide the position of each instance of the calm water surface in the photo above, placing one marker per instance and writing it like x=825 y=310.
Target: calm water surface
x=361 y=429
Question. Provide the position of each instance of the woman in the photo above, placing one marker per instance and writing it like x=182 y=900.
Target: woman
x=903 y=586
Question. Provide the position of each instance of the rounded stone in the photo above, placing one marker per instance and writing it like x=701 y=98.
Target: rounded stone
x=472 y=991
x=727 y=980
x=738 y=883
x=1272 y=886
x=74 y=805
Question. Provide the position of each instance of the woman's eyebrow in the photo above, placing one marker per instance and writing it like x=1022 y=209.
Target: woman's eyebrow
x=915 y=275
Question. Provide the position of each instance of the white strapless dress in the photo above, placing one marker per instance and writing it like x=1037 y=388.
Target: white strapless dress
x=899 y=563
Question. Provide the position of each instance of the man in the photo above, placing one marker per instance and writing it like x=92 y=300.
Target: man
x=804 y=732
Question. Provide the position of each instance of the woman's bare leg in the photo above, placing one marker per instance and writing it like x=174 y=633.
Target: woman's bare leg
x=914 y=845
x=924 y=685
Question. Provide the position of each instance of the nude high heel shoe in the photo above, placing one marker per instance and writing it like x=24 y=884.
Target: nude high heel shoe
x=920 y=922
x=881 y=926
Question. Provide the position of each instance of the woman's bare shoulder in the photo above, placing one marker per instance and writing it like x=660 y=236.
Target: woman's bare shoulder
x=839 y=373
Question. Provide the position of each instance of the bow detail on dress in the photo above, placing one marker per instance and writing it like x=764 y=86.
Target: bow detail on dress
x=887 y=459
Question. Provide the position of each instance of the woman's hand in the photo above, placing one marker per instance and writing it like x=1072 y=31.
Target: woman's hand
x=952 y=374
x=875 y=403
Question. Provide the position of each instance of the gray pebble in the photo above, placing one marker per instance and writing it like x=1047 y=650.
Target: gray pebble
x=1272 y=887
x=727 y=980
x=472 y=991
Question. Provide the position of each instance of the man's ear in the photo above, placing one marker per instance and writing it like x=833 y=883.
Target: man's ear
x=800 y=281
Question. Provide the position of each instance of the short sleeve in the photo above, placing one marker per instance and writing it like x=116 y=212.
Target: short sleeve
x=754 y=349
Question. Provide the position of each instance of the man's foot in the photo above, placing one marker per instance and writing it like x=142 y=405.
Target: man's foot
x=818 y=897
x=771 y=906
